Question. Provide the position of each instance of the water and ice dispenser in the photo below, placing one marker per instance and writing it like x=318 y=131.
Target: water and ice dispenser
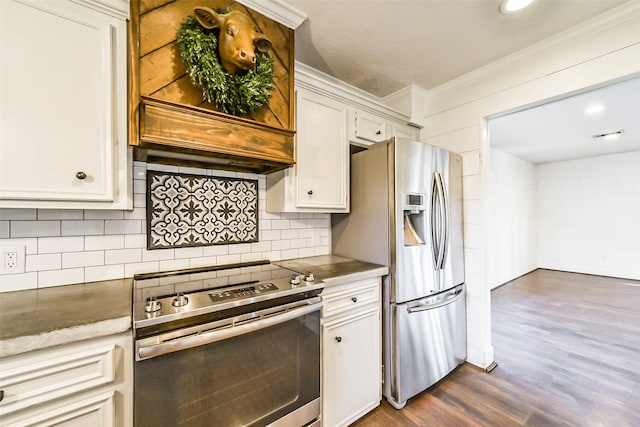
x=414 y=207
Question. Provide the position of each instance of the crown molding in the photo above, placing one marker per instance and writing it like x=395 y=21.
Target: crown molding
x=601 y=22
x=116 y=8
x=314 y=80
x=277 y=10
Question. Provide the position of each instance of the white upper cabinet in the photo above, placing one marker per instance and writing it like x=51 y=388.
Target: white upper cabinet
x=319 y=180
x=63 y=104
x=405 y=131
x=329 y=116
x=321 y=152
x=366 y=128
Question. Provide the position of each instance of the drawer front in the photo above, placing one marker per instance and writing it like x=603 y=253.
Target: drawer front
x=350 y=297
x=39 y=378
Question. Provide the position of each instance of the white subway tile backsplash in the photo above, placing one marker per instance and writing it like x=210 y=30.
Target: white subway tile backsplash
x=139 y=200
x=215 y=250
x=280 y=224
x=228 y=259
x=35 y=228
x=189 y=252
x=174 y=264
x=4 y=229
x=290 y=254
x=132 y=226
x=122 y=256
x=241 y=248
x=43 y=262
x=47 y=245
x=48 y=214
x=141 y=267
x=93 y=243
x=135 y=241
x=18 y=214
x=30 y=244
x=18 y=282
x=60 y=277
x=270 y=235
x=82 y=228
x=279 y=245
x=73 y=246
x=83 y=259
x=106 y=272
x=205 y=261
x=157 y=255
x=139 y=186
x=136 y=213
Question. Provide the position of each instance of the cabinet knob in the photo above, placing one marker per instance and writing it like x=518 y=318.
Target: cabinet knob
x=354 y=299
x=310 y=192
x=81 y=175
x=379 y=132
x=339 y=339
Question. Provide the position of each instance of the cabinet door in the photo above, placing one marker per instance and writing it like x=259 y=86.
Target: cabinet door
x=58 y=84
x=351 y=373
x=368 y=128
x=321 y=152
x=405 y=131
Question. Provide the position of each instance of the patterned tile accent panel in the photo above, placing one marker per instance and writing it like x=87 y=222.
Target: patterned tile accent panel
x=192 y=210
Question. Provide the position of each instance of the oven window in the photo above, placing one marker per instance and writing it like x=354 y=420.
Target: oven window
x=249 y=380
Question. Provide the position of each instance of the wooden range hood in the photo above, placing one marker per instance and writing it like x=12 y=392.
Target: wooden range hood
x=169 y=121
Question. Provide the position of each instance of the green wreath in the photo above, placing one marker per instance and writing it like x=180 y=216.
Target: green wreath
x=238 y=95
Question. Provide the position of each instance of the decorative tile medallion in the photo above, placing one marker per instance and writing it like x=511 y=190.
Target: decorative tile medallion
x=192 y=210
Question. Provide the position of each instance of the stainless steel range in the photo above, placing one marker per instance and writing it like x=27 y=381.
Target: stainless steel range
x=230 y=345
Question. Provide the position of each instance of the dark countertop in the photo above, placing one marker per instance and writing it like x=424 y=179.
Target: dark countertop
x=335 y=270
x=40 y=318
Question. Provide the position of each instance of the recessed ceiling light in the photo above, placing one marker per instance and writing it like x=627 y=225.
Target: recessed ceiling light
x=609 y=135
x=593 y=109
x=513 y=6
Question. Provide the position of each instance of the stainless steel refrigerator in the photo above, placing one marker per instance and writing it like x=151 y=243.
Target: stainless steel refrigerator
x=406 y=213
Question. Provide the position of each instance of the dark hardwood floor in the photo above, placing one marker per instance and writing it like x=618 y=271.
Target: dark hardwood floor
x=568 y=352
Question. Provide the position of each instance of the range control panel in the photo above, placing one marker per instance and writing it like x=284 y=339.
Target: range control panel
x=242 y=292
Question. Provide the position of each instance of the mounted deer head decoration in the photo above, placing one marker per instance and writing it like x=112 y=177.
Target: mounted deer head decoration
x=238 y=38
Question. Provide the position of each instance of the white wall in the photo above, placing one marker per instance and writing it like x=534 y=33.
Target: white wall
x=589 y=215
x=455 y=114
x=512 y=233
x=75 y=246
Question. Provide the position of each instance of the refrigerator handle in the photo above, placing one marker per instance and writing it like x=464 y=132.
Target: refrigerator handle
x=435 y=227
x=444 y=207
x=457 y=294
x=442 y=213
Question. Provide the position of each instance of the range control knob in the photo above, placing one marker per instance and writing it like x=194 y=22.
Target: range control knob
x=295 y=280
x=180 y=300
x=152 y=305
x=309 y=277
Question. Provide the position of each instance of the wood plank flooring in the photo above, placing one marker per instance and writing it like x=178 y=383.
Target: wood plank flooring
x=568 y=352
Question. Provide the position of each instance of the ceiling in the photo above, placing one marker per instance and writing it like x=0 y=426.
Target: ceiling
x=563 y=130
x=382 y=46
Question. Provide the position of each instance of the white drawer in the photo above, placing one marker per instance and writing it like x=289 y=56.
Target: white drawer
x=349 y=297
x=39 y=377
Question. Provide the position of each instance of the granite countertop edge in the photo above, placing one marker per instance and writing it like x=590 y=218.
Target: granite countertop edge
x=333 y=270
x=48 y=339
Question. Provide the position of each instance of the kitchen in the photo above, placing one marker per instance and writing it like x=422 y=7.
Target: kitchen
x=67 y=245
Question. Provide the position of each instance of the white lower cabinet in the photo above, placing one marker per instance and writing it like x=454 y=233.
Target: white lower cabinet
x=80 y=384
x=351 y=352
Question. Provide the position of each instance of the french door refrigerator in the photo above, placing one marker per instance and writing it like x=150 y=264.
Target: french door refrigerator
x=406 y=213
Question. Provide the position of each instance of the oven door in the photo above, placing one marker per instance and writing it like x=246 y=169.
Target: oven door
x=259 y=373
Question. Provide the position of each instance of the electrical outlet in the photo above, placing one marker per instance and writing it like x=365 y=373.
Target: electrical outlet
x=12 y=259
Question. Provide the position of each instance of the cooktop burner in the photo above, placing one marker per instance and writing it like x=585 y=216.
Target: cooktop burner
x=176 y=295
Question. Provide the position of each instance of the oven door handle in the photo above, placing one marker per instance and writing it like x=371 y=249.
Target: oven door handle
x=158 y=349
